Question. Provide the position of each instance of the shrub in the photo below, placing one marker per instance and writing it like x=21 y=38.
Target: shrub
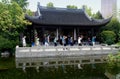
x=113 y=63
x=108 y=37
x=6 y=45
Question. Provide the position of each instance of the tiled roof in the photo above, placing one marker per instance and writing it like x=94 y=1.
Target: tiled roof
x=64 y=16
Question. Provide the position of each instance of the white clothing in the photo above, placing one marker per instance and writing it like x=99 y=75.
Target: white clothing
x=93 y=43
x=48 y=38
x=79 y=66
x=17 y=46
x=37 y=42
x=24 y=41
x=46 y=44
x=79 y=40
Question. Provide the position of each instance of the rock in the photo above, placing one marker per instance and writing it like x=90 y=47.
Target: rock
x=5 y=54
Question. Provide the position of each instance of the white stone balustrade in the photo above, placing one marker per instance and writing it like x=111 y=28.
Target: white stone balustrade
x=59 y=55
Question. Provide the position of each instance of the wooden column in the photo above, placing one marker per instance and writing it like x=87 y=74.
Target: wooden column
x=75 y=34
x=92 y=31
x=57 y=33
x=33 y=34
x=78 y=31
x=43 y=31
x=30 y=31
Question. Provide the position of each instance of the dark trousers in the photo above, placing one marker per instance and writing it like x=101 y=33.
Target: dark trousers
x=55 y=44
x=80 y=44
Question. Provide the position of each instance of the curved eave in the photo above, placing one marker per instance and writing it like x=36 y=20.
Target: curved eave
x=93 y=22
x=32 y=18
x=102 y=22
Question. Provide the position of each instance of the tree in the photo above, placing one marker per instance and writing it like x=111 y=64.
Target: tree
x=97 y=15
x=114 y=26
x=22 y=3
x=29 y=12
x=113 y=64
x=12 y=17
x=5 y=44
x=88 y=10
x=12 y=20
x=50 y=4
x=108 y=37
x=71 y=6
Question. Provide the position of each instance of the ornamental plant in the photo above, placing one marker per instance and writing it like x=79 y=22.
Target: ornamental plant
x=113 y=64
x=108 y=37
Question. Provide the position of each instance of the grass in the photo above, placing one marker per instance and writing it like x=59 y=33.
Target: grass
x=8 y=71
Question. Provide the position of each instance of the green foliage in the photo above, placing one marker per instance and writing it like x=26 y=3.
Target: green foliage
x=12 y=22
x=97 y=15
x=50 y=4
x=113 y=65
x=114 y=26
x=12 y=19
x=6 y=45
x=108 y=37
x=22 y=3
x=29 y=12
x=88 y=10
x=71 y=7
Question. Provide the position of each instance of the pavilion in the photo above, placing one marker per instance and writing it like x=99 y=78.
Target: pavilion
x=62 y=21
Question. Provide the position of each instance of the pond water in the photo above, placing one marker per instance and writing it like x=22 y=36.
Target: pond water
x=62 y=72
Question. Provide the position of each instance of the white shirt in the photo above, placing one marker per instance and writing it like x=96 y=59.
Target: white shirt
x=79 y=40
x=24 y=41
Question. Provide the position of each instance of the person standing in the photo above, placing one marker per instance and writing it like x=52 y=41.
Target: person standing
x=55 y=41
x=60 y=40
x=64 y=40
x=37 y=41
x=71 y=41
x=24 y=41
x=79 y=41
x=93 y=40
x=46 y=41
x=89 y=41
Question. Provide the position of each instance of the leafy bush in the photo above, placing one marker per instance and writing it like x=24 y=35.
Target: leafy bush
x=108 y=37
x=6 y=45
x=114 y=26
x=113 y=64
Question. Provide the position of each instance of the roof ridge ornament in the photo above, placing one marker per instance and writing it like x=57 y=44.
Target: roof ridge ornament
x=38 y=3
x=83 y=7
x=86 y=14
x=38 y=9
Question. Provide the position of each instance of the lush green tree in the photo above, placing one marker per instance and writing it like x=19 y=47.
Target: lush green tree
x=12 y=22
x=71 y=6
x=50 y=4
x=114 y=26
x=97 y=15
x=22 y=3
x=113 y=64
x=6 y=45
x=12 y=19
x=108 y=37
x=5 y=1
x=29 y=12
x=88 y=10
